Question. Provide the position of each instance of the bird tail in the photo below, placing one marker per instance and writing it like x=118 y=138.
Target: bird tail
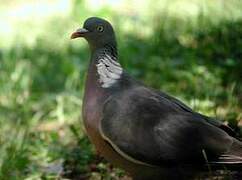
x=231 y=159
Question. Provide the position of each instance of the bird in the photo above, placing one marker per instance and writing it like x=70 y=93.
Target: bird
x=147 y=132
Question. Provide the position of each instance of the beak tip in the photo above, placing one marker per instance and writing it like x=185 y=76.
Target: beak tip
x=72 y=37
x=75 y=35
x=79 y=33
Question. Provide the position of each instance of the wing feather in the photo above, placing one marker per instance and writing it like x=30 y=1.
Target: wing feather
x=149 y=128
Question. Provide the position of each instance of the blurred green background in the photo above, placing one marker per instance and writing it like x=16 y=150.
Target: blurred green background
x=191 y=49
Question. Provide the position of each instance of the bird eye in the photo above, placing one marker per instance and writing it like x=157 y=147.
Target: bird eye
x=100 y=28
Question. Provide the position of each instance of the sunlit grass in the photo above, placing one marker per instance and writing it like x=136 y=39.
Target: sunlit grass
x=27 y=20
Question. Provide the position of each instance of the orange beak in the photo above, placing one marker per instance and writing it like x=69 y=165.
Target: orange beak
x=79 y=33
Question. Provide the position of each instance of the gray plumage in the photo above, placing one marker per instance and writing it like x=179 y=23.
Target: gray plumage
x=146 y=127
x=156 y=130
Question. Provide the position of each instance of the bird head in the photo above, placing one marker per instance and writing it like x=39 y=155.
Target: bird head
x=98 y=32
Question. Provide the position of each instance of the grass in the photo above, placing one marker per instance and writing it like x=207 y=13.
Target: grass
x=195 y=58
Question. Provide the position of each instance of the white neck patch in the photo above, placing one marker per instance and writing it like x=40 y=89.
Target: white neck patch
x=109 y=70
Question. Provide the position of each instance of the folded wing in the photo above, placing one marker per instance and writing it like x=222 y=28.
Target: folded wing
x=148 y=128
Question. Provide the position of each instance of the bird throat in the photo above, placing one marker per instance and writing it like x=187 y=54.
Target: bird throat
x=108 y=69
x=104 y=72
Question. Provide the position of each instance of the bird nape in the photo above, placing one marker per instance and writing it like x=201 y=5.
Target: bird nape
x=147 y=132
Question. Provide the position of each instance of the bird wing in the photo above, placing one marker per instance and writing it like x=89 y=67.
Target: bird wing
x=212 y=121
x=147 y=128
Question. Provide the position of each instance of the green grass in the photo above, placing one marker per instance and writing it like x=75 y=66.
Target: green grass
x=195 y=58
